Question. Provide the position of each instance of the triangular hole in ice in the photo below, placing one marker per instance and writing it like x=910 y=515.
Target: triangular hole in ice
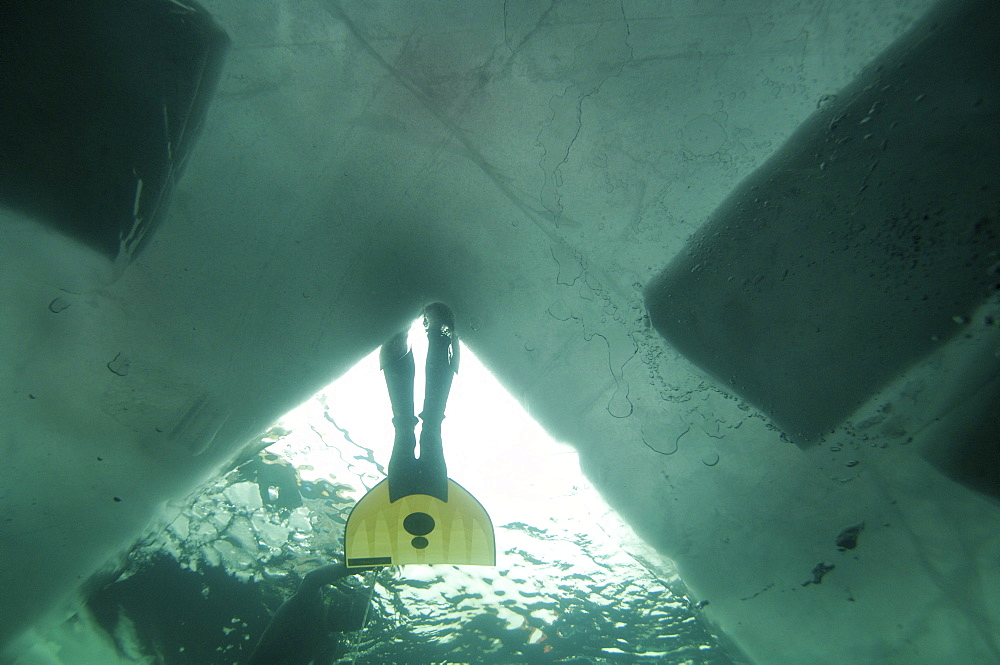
x=528 y=482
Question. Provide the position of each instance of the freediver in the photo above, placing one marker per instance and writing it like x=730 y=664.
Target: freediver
x=300 y=631
x=428 y=473
x=298 y=634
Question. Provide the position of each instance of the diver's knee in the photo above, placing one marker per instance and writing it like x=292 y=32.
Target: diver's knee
x=439 y=320
x=395 y=348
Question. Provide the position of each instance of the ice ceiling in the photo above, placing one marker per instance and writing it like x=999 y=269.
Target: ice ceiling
x=536 y=165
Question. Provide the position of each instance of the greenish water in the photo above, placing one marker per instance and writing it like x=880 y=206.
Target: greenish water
x=567 y=589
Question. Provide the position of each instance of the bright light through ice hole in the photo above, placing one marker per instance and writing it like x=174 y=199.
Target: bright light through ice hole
x=492 y=447
x=529 y=483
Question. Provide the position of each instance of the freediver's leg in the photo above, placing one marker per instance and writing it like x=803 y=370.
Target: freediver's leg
x=396 y=360
x=442 y=344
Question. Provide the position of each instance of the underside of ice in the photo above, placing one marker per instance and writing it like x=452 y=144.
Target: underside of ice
x=743 y=257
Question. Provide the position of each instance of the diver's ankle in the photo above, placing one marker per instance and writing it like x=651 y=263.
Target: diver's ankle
x=431 y=422
x=403 y=423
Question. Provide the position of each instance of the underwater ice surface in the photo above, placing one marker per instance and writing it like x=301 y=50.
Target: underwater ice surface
x=572 y=582
x=534 y=165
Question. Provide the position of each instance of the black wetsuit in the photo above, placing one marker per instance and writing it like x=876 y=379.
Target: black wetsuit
x=427 y=474
x=299 y=632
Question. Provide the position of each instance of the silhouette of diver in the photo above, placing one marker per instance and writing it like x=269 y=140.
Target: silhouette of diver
x=299 y=632
x=427 y=474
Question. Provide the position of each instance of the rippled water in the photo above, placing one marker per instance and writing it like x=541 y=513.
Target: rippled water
x=572 y=583
x=562 y=589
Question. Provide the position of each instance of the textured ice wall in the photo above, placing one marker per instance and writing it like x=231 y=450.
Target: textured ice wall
x=866 y=243
x=532 y=164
